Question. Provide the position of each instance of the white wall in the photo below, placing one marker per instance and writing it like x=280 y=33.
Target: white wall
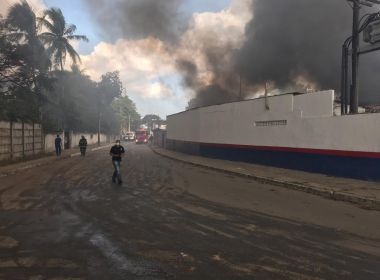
x=92 y=139
x=309 y=117
x=49 y=142
x=185 y=126
x=319 y=104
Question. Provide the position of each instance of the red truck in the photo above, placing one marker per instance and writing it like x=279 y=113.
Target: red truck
x=141 y=136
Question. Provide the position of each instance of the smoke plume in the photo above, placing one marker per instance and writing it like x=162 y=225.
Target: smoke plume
x=225 y=56
x=297 y=45
x=290 y=38
x=136 y=19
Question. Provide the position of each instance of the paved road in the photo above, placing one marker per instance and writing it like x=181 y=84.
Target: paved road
x=174 y=221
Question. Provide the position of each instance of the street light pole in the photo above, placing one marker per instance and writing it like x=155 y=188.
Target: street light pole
x=129 y=122
x=354 y=102
x=99 y=123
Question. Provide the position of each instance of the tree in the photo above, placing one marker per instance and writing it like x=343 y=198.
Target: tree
x=58 y=37
x=125 y=109
x=110 y=87
x=151 y=119
x=22 y=26
x=24 y=64
x=27 y=91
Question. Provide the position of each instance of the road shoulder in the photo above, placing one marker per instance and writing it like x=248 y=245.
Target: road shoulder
x=363 y=193
x=20 y=166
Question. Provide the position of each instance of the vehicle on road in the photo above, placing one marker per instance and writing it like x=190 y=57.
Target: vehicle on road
x=129 y=136
x=141 y=136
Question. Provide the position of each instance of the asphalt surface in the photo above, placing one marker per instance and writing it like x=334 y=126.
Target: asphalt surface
x=170 y=220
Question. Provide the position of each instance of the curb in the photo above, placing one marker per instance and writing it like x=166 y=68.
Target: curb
x=100 y=148
x=47 y=161
x=365 y=202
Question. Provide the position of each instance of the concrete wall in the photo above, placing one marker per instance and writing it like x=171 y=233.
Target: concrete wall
x=18 y=140
x=91 y=138
x=74 y=138
x=159 y=138
x=299 y=121
x=319 y=104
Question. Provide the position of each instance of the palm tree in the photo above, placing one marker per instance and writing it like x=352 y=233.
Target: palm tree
x=22 y=27
x=58 y=37
x=22 y=22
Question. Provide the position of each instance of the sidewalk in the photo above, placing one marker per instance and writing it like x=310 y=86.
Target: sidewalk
x=18 y=166
x=364 y=193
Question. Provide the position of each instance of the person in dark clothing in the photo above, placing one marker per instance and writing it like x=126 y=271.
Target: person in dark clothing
x=117 y=152
x=83 y=146
x=58 y=146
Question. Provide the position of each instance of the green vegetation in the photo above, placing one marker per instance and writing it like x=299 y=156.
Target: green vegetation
x=151 y=120
x=35 y=87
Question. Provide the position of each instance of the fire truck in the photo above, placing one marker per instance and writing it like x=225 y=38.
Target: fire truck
x=141 y=136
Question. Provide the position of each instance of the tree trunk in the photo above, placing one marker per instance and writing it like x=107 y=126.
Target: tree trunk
x=61 y=62
x=62 y=93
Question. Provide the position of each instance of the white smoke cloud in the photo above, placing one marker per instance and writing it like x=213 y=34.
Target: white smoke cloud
x=145 y=64
x=210 y=32
x=141 y=63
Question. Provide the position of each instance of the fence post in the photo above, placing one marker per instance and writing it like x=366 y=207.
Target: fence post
x=42 y=139
x=23 y=139
x=33 y=138
x=11 y=137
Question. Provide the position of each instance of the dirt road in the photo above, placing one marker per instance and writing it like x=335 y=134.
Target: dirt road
x=170 y=220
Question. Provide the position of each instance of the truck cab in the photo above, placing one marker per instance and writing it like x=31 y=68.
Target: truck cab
x=141 y=136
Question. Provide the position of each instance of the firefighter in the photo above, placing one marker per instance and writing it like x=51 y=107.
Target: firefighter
x=83 y=146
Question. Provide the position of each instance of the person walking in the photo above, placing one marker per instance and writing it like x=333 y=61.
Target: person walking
x=58 y=145
x=117 y=152
x=83 y=146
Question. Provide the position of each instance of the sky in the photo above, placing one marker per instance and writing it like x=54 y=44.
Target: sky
x=147 y=65
x=172 y=52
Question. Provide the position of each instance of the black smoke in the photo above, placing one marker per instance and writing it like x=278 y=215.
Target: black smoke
x=211 y=95
x=138 y=19
x=291 y=38
x=284 y=40
x=189 y=72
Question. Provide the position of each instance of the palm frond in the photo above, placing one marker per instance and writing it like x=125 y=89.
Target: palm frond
x=78 y=38
x=73 y=54
x=21 y=18
x=70 y=29
x=16 y=36
x=58 y=37
x=43 y=22
x=47 y=38
x=57 y=20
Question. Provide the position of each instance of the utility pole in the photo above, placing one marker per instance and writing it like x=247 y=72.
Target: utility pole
x=354 y=102
x=369 y=25
x=266 y=96
x=129 y=122
x=99 y=118
x=240 y=97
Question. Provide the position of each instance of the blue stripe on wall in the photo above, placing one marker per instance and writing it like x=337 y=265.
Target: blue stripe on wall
x=350 y=167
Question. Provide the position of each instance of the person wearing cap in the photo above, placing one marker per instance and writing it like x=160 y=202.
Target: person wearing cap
x=83 y=146
x=117 y=152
